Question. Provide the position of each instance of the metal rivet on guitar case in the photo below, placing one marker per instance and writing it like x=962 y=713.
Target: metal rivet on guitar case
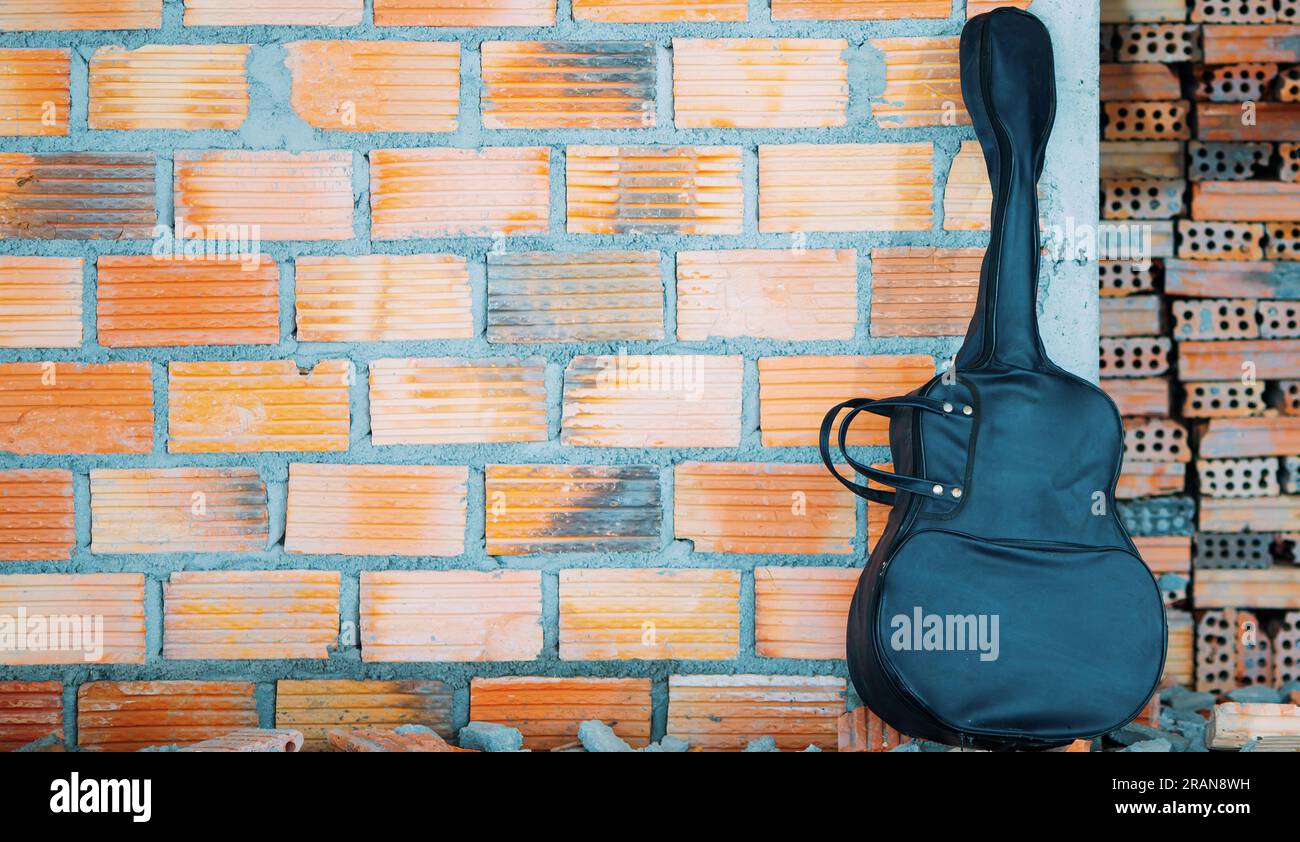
x=947 y=407
x=956 y=492
x=967 y=410
x=938 y=489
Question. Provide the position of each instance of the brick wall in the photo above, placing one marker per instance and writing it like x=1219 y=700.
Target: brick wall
x=509 y=410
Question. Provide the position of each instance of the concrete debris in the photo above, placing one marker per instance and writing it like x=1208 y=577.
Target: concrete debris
x=669 y=744
x=1180 y=698
x=1150 y=745
x=489 y=736
x=599 y=737
x=762 y=744
x=1257 y=693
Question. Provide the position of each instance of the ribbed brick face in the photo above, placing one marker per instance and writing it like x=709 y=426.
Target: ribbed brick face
x=169 y=87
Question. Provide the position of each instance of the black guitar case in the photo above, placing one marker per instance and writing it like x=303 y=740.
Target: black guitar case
x=1005 y=606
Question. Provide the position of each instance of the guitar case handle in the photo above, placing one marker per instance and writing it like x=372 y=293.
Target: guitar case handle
x=884 y=407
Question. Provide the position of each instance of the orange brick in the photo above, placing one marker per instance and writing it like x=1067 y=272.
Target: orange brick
x=1166 y=553
x=446 y=400
x=979 y=7
x=725 y=712
x=388 y=740
x=845 y=187
x=796 y=392
x=585 y=296
x=921 y=291
x=1156 y=11
x=376 y=86
x=1223 y=121
x=40 y=302
x=1234 y=438
x=1220 y=240
x=802 y=612
x=760 y=83
x=177 y=510
x=251 y=740
x=77 y=196
x=29 y=710
x=451 y=615
x=423 y=192
x=1147 y=120
x=1246 y=201
x=131 y=715
x=1228 y=11
x=753 y=292
x=1235 y=279
x=376 y=510
x=649 y=614
x=654 y=190
x=247 y=407
x=685 y=400
x=51 y=407
x=1222 y=399
x=189 y=86
x=1135 y=356
x=1268 y=359
x=1150 y=479
x=383 y=298
x=273 y=12
x=143 y=301
x=661 y=11
x=50 y=15
x=968 y=196
x=568 y=84
x=464 y=13
x=1139 y=82
x=754 y=507
x=549 y=710
x=1142 y=198
x=106 y=608
x=1169 y=43
x=1155 y=440
x=1232 y=44
x=319 y=706
x=259 y=614
x=572 y=508
x=1274 y=587
x=280 y=195
x=34 y=92
x=922 y=83
x=36 y=516
x=1178 y=657
x=859 y=9
x=862 y=730
x=1132 y=315
x=877 y=513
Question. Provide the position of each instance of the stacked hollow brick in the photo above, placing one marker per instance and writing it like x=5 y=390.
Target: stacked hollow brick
x=1202 y=349
x=550 y=444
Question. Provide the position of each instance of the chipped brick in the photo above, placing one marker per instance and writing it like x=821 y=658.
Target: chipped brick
x=802 y=612
x=37 y=522
x=795 y=393
x=177 y=510
x=1146 y=120
x=427 y=192
x=54 y=407
x=752 y=292
x=451 y=615
x=845 y=187
x=406 y=738
x=382 y=298
x=321 y=706
x=40 y=302
x=190 y=87
x=446 y=400
x=52 y=15
x=273 y=12
x=1139 y=82
x=464 y=13
x=744 y=507
x=595 y=296
x=77 y=196
x=572 y=508
x=116 y=598
x=376 y=86
x=251 y=740
x=549 y=711
x=862 y=730
x=131 y=715
x=34 y=92
x=279 y=195
x=724 y=712
x=922 y=83
x=259 y=406
x=568 y=84
x=376 y=510
x=143 y=302
x=686 y=400
x=649 y=614
x=1132 y=315
x=859 y=9
x=661 y=11
x=29 y=710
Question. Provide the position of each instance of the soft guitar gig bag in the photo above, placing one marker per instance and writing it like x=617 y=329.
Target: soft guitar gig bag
x=1005 y=605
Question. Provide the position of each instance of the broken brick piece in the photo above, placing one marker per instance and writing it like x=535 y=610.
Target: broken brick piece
x=131 y=715
x=661 y=11
x=922 y=291
x=321 y=707
x=862 y=730
x=382 y=298
x=725 y=712
x=176 y=510
x=446 y=400
x=747 y=507
x=810 y=187
x=548 y=711
x=146 y=302
x=35 y=92
x=251 y=740
x=451 y=615
x=29 y=711
x=53 y=15
x=77 y=196
x=750 y=292
x=967 y=195
x=760 y=83
x=54 y=407
x=376 y=510
x=1264 y=726
x=375 y=86
x=255 y=614
x=184 y=86
x=401 y=739
x=572 y=508
x=794 y=393
x=464 y=13
x=1234 y=82
x=257 y=406
x=37 y=522
x=649 y=614
x=922 y=83
x=273 y=13
x=568 y=84
x=802 y=612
